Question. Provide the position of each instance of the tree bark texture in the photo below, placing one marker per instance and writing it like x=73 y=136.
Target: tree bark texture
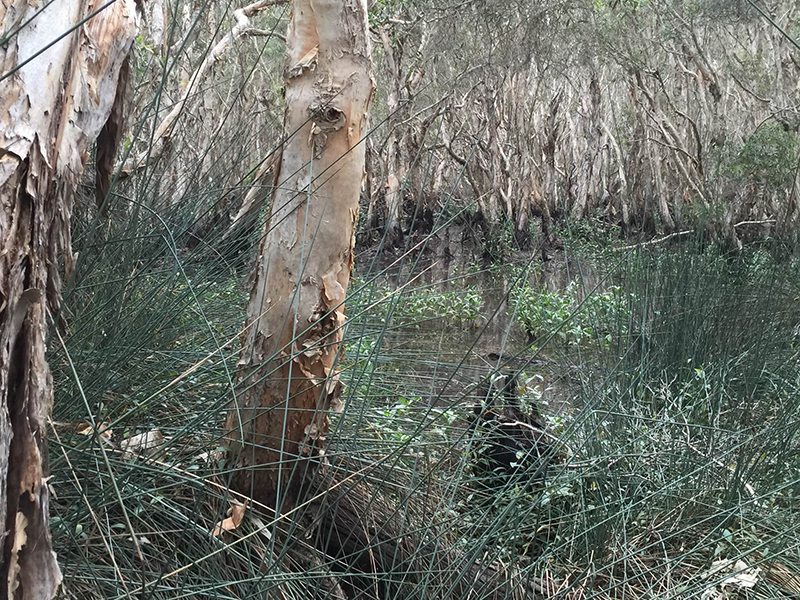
x=291 y=342
x=52 y=109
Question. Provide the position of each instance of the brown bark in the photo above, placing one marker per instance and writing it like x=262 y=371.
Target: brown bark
x=296 y=309
x=107 y=141
x=51 y=110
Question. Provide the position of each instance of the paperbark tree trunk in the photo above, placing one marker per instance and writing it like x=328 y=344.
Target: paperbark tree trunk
x=52 y=107
x=395 y=159
x=296 y=311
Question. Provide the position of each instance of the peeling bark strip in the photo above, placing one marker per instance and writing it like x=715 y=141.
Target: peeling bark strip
x=51 y=111
x=306 y=255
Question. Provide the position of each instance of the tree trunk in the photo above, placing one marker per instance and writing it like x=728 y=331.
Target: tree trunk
x=296 y=310
x=53 y=108
x=395 y=161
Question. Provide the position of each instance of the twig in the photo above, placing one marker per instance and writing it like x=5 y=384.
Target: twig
x=657 y=240
x=762 y=222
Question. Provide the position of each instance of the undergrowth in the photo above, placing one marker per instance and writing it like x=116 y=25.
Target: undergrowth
x=671 y=388
x=574 y=315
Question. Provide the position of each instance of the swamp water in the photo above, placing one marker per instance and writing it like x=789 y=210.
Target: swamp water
x=424 y=334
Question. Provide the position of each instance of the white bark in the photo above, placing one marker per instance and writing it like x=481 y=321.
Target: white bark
x=51 y=110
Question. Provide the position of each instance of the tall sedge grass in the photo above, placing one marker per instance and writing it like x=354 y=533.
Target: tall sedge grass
x=678 y=426
x=668 y=376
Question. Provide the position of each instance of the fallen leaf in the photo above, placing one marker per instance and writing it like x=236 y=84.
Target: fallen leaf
x=85 y=428
x=141 y=443
x=743 y=577
x=232 y=522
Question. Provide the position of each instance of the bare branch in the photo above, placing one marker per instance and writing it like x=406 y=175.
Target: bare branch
x=164 y=129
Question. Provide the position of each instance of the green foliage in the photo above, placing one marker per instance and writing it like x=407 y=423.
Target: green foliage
x=679 y=433
x=679 y=428
x=571 y=316
x=698 y=420
x=446 y=307
x=454 y=306
x=589 y=237
x=768 y=156
x=498 y=244
x=398 y=422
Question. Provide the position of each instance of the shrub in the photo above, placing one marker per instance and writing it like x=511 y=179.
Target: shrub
x=571 y=316
x=768 y=157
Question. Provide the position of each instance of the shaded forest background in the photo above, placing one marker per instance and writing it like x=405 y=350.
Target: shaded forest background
x=656 y=117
